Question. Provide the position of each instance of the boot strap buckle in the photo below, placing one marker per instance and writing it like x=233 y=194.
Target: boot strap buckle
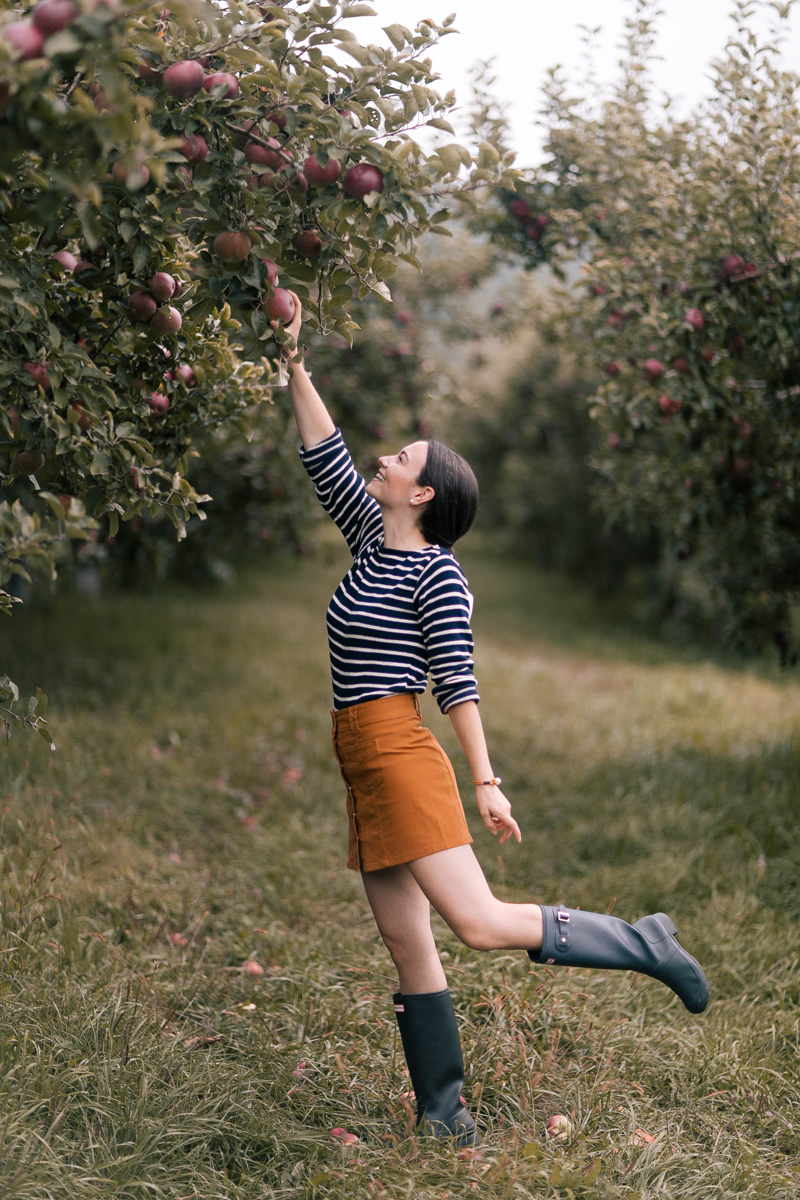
x=562 y=930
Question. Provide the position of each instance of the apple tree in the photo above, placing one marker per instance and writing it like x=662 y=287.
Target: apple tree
x=162 y=173
x=688 y=305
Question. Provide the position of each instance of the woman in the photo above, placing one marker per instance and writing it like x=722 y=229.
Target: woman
x=402 y=611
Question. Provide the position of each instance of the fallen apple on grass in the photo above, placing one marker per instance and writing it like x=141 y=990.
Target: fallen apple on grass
x=559 y=1127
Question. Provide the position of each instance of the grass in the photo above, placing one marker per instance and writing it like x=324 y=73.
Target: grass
x=192 y=819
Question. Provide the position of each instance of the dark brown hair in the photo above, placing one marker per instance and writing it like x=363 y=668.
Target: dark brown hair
x=451 y=512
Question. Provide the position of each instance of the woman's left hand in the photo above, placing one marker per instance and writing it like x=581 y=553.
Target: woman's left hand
x=495 y=811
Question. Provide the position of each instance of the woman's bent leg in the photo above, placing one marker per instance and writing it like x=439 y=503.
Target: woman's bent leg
x=456 y=887
x=454 y=883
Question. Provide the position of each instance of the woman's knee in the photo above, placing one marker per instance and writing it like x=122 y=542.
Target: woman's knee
x=407 y=946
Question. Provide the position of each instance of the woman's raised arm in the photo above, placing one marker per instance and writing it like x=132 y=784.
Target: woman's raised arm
x=313 y=419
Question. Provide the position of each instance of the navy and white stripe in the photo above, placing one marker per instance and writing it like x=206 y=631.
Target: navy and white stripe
x=397 y=614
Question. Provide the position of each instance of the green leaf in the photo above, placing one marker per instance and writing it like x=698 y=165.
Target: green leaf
x=440 y=123
x=8 y=689
x=41 y=702
x=358 y=10
x=41 y=729
x=398 y=35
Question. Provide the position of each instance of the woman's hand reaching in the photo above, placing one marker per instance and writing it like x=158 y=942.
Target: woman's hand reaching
x=495 y=812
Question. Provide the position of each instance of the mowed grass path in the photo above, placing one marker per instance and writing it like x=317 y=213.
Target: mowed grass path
x=192 y=820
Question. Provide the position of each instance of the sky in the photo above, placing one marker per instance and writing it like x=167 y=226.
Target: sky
x=526 y=37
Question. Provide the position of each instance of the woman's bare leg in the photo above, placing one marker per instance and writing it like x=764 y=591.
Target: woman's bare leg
x=403 y=917
x=455 y=885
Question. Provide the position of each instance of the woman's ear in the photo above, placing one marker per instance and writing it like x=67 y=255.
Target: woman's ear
x=422 y=496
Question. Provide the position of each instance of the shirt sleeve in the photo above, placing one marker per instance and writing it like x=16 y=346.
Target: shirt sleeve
x=444 y=606
x=342 y=492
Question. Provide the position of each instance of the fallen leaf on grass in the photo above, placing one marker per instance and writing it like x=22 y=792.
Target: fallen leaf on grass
x=199 y=1042
x=343 y=1136
x=299 y=1070
x=640 y=1138
x=177 y=939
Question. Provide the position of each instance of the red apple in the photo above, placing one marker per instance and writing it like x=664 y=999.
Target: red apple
x=308 y=243
x=28 y=462
x=280 y=306
x=25 y=38
x=162 y=286
x=65 y=501
x=665 y=404
x=266 y=156
x=132 y=179
x=166 y=320
x=707 y=354
x=682 y=365
x=231 y=246
x=695 y=319
x=158 y=402
x=272 y=271
x=520 y=209
x=38 y=372
x=319 y=176
x=653 y=369
x=178 y=286
x=736 y=344
x=68 y=261
x=362 y=179
x=84 y=420
x=216 y=78
x=559 y=1127
x=278 y=117
x=194 y=148
x=598 y=289
x=252 y=968
x=183 y=79
x=732 y=265
x=141 y=306
x=186 y=375
x=613 y=440
x=148 y=73
x=297 y=183
x=612 y=368
x=83 y=271
x=52 y=15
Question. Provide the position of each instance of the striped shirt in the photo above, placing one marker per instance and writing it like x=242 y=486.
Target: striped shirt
x=397 y=614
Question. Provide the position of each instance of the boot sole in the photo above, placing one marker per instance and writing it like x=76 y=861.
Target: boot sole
x=701 y=1004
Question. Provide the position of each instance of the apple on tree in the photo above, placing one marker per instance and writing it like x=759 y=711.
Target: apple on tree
x=362 y=179
x=232 y=246
x=194 y=148
x=25 y=38
x=28 y=462
x=51 y=16
x=158 y=402
x=220 y=78
x=141 y=306
x=166 y=320
x=280 y=306
x=162 y=286
x=319 y=176
x=38 y=372
x=308 y=243
x=182 y=80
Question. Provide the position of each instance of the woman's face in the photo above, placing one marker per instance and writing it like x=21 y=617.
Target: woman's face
x=395 y=485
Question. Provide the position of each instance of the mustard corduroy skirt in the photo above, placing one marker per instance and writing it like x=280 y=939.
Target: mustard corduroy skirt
x=402 y=796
